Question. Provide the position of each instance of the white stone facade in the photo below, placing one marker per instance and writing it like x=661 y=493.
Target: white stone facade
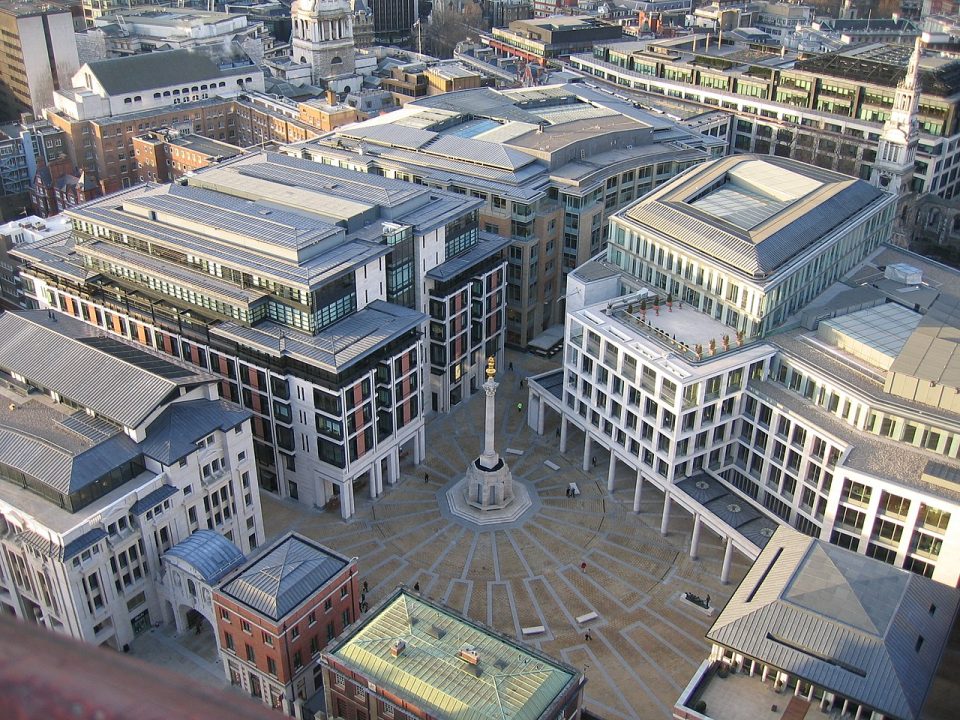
x=109 y=591
x=794 y=428
x=322 y=37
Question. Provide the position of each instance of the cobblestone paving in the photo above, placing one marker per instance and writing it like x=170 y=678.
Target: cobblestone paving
x=645 y=643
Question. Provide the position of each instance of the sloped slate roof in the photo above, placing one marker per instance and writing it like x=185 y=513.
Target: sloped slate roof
x=152 y=499
x=47 y=546
x=78 y=545
x=209 y=553
x=795 y=226
x=479 y=151
x=60 y=468
x=842 y=621
x=119 y=380
x=510 y=681
x=174 y=433
x=123 y=75
x=284 y=576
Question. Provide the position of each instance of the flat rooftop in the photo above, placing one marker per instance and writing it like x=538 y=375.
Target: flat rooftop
x=207 y=146
x=509 y=680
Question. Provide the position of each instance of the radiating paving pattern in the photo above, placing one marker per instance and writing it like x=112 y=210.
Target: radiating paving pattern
x=645 y=643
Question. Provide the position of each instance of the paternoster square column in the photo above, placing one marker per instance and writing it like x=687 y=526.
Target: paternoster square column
x=489 y=458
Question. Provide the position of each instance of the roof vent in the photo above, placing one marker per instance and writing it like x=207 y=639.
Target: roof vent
x=468 y=653
x=903 y=273
x=397 y=648
x=435 y=632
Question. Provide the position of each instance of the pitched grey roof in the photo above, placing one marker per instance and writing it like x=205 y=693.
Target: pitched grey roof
x=78 y=545
x=336 y=347
x=152 y=499
x=59 y=468
x=786 y=227
x=209 y=553
x=174 y=433
x=123 y=75
x=47 y=546
x=118 y=379
x=842 y=621
x=286 y=574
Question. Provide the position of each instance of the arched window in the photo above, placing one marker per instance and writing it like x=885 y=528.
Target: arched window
x=336 y=60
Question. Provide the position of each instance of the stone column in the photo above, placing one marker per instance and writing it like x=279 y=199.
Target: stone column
x=586 y=450
x=611 y=471
x=541 y=412
x=695 y=539
x=346 y=499
x=422 y=442
x=392 y=465
x=665 y=520
x=563 y=433
x=638 y=490
x=489 y=457
x=376 y=481
x=727 y=559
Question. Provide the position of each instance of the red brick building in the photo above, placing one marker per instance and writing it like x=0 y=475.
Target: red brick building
x=278 y=611
x=165 y=155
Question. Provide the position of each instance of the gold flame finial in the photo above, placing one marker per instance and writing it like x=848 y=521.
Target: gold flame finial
x=491 y=369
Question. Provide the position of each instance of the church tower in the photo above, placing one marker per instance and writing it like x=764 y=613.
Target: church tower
x=893 y=169
x=322 y=37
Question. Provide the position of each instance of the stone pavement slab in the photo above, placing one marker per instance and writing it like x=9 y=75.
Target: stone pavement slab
x=643 y=648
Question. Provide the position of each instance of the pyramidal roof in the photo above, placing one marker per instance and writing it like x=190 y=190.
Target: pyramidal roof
x=840 y=585
x=287 y=573
x=846 y=622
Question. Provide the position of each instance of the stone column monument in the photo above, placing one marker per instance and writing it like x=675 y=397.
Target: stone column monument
x=489 y=482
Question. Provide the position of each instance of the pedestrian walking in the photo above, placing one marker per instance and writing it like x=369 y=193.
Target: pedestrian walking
x=583 y=567
x=416 y=586
x=519 y=407
x=587 y=636
x=511 y=366
x=568 y=492
x=708 y=601
x=594 y=460
x=426 y=478
x=558 y=432
x=365 y=586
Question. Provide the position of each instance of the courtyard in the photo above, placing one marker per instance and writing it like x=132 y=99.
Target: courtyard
x=645 y=642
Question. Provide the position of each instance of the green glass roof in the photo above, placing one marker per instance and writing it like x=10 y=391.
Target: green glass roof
x=507 y=681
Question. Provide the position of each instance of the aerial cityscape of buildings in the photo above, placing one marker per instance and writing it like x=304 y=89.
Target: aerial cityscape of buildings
x=261 y=260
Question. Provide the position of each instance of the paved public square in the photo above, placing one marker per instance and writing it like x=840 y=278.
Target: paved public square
x=645 y=643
